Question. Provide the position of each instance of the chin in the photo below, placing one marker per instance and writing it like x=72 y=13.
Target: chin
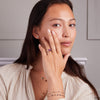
x=66 y=52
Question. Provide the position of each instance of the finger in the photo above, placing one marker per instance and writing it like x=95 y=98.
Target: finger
x=42 y=50
x=51 y=40
x=47 y=47
x=57 y=44
x=66 y=58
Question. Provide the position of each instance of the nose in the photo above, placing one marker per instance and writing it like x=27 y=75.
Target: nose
x=66 y=32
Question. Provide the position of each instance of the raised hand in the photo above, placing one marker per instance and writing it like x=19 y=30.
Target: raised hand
x=52 y=59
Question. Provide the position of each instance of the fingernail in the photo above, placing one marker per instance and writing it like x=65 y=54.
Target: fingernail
x=53 y=32
x=39 y=45
x=49 y=30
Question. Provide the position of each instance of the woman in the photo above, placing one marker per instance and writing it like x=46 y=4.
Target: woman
x=45 y=69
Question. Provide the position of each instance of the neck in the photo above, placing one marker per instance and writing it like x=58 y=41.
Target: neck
x=37 y=65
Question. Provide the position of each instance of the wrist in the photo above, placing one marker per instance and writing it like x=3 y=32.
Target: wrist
x=55 y=83
x=54 y=79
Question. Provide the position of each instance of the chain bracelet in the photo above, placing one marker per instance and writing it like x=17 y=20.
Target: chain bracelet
x=56 y=93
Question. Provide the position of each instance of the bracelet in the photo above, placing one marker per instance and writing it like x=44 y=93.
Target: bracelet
x=56 y=93
x=59 y=91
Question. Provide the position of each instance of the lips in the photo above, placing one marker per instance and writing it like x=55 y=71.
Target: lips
x=67 y=44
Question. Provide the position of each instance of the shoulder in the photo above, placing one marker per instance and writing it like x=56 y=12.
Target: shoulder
x=11 y=72
x=10 y=69
x=13 y=78
x=76 y=88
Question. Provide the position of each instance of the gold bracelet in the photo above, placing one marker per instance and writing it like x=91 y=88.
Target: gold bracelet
x=56 y=93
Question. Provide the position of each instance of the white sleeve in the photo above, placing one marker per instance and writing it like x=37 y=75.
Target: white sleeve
x=3 y=91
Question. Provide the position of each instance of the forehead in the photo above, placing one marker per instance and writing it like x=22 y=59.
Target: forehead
x=59 y=11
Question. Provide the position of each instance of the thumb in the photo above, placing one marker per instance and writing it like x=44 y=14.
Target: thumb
x=66 y=57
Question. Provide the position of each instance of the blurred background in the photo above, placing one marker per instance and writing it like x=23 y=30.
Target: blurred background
x=14 y=16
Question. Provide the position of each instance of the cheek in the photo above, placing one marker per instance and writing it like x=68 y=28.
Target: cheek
x=58 y=33
x=43 y=33
x=44 y=30
x=73 y=35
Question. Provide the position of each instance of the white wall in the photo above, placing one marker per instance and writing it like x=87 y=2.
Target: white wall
x=84 y=47
x=13 y=26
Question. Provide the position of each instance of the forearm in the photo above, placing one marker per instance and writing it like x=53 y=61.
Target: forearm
x=55 y=89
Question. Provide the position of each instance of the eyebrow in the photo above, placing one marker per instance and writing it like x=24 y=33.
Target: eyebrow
x=61 y=19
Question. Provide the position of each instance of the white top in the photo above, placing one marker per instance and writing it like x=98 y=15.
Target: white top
x=15 y=84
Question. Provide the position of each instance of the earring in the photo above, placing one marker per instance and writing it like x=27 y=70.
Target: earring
x=37 y=36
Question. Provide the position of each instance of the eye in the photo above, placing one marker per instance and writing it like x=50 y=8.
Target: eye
x=72 y=25
x=56 y=25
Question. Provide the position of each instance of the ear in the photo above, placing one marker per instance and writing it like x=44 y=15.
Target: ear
x=35 y=33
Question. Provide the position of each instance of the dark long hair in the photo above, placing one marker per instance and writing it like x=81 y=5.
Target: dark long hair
x=30 y=50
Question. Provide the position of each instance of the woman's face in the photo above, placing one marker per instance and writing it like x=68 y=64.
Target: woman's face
x=59 y=18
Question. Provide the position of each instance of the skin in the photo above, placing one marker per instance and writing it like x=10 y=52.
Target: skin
x=57 y=26
x=59 y=22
